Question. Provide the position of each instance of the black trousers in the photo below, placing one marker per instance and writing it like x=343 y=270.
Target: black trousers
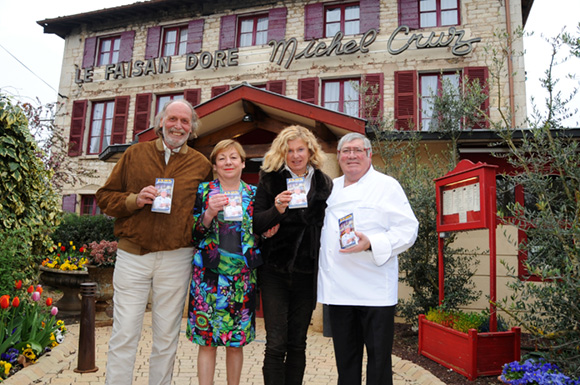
x=353 y=328
x=288 y=301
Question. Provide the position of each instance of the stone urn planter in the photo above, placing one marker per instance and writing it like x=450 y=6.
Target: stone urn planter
x=103 y=277
x=67 y=281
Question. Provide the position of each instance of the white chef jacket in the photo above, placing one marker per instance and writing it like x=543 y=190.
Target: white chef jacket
x=382 y=212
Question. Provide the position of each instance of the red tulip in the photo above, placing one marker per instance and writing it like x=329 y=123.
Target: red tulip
x=18 y=284
x=82 y=249
x=30 y=289
x=49 y=301
x=62 y=248
x=5 y=301
x=39 y=289
x=16 y=302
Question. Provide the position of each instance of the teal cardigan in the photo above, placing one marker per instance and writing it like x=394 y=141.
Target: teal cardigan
x=206 y=240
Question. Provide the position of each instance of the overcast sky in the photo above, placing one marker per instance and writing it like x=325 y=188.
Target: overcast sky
x=31 y=61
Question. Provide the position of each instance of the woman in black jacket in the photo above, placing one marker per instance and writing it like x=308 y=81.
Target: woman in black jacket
x=287 y=279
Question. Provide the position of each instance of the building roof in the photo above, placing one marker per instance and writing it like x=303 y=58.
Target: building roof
x=63 y=25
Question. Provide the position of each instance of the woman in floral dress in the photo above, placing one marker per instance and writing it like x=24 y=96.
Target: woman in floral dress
x=222 y=295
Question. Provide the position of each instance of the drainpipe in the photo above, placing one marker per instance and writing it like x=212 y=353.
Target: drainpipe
x=510 y=63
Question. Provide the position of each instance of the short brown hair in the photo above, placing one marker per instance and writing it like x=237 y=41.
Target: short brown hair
x=224 y=145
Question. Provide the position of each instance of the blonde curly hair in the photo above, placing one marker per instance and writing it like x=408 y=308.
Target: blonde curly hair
x=275 y=158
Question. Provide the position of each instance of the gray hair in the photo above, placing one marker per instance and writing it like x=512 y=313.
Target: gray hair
x=195 y=123
x=354 y=136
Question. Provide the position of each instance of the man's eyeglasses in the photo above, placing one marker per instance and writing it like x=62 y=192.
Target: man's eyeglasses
x=354 y=150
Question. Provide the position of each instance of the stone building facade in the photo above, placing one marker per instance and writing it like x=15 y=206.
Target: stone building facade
x=253 y=67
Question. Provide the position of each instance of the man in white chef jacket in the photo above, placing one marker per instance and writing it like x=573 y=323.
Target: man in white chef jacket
x=360 y=283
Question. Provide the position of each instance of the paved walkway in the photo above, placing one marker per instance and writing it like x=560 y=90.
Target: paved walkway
x=57 y=367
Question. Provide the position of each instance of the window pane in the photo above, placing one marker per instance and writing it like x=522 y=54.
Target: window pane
x=117 y=44
x=449 y=18
x=262 y=24
x=428 y=20
x=351 y=95
x=448 y=4
x=247 y=26
x=115 y=58
x=182 y=41
x=428 y=85
x=333 y=15
x=170 y=36
x=331 y=92
x=351 y=27
x=332 y=29
x=246 y=40
x=427 y=5
x=352 y=13
x=261 y=37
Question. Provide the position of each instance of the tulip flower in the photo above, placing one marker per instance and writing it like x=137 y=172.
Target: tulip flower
x=18 y=284
x=30 y=289
x=5 y=301
x=49 y=301
x=54 y=311
x=15 y=302
x=35 y=296
x=39 y=289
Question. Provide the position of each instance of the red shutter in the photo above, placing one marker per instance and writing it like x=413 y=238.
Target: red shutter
x=69 y=203
x=409 y=13
x=218 y=90
x=313 y=21
x=126 y=47
x=142 y=113
x=120 y=120
x=194 y=36
x=277 y=24
x=77 y=127
x=277 y=86
x=228 y=32
x=374 y=94
x=152 y=47
x=406 y=100
x=480 y=74
x=308 y=90
x=369 y=15
x=90 y=52
x=193 y=96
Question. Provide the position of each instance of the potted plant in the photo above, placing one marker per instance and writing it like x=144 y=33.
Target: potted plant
x=101 y=257
x=453 y=340
x=65 y=270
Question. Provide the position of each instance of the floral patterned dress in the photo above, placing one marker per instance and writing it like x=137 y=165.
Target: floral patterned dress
x=222 y=302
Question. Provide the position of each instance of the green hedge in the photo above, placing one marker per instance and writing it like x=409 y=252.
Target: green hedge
x=84 y=229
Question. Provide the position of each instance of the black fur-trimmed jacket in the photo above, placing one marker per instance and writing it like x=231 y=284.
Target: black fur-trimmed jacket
x=295 y=246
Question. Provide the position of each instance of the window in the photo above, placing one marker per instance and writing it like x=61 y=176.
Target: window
x=109 y=50
x=250 y=30
x=414 y=94
x=101 y=126
x=342 y=17
x=431 y=86
x=89 y=205
x=174 y=41
x=164 y=99
x=342 y=95
x=438 y=13
x=253 y=30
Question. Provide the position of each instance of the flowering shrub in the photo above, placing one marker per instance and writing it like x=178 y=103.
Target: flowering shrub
x=102 y=254
x=532 y=372
x=66 y=258
x=27 y=328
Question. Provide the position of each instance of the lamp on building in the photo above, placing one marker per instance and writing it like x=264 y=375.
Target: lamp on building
x=248 y=118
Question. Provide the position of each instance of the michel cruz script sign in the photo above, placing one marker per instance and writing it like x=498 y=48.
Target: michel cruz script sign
x=284 y=52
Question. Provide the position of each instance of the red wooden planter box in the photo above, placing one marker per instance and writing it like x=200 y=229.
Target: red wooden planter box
x=471 y=354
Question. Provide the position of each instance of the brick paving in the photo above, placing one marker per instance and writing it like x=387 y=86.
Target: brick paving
x=57 y=367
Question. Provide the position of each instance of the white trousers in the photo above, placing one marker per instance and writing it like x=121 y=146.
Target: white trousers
x=166 y=274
